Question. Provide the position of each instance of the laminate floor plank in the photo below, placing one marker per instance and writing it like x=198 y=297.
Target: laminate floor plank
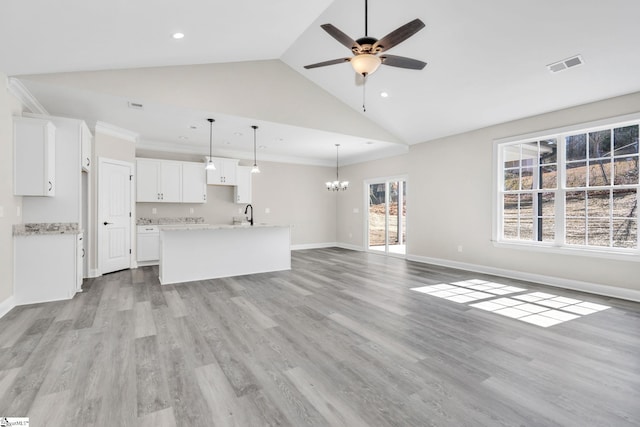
x=341 y=339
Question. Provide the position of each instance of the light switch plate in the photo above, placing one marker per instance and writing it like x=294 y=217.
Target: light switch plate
x=154 y=211
x=267 y=210
x=18 y=211
x=356 y=210
x=1 y=211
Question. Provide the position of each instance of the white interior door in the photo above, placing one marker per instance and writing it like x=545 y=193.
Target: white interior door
x=114 y=220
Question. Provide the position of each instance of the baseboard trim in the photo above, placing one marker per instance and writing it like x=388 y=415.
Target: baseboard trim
x=558 y=282
x=7 y=305
x=94 y=273
x=349 y=247
x=313 y=246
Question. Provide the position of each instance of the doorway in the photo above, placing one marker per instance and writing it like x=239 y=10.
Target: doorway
x=387 y=215
x=114 y=215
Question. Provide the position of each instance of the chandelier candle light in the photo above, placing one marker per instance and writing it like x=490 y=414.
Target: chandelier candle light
x=337 y=185
x=255 y=168
x=210 y=166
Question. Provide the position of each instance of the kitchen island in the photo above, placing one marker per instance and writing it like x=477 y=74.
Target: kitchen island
x=202 y=252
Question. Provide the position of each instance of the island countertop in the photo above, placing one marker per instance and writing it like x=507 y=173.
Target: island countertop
x=216 y=227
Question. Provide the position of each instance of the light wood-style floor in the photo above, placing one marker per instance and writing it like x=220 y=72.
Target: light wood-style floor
x=340 y=340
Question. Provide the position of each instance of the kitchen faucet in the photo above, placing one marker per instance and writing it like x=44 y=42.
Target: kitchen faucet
x=251 y=217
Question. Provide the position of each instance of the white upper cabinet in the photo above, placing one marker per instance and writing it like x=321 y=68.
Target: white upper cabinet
x=85 y=147
x=194 y=183
x=34 y=157
x=170 y=181
x=225 y=172
x=243 y=184
x=158 y=181
x=148 y=180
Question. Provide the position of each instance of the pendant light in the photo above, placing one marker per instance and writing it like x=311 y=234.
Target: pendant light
x=255 y=168
x=210 y=165
x=337 y=185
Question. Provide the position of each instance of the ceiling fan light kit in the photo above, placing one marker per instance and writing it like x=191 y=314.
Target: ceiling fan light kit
x=365 y=64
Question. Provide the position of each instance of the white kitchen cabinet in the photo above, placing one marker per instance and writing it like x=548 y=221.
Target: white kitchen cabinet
x=243 y=184
x=194 y=183
x=46 y=267
x=148 y=244
x=85 y=148
x=225 y=172
x=34 y=157
x=80 y=253
x=158 y=181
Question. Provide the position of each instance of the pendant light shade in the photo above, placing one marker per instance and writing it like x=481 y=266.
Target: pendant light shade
x=255 y=168
x=210 y=166
x=337 y=185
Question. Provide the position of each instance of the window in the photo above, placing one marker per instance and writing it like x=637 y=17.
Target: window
x=574 y=188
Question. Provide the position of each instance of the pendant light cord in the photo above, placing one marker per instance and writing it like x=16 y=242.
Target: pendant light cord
x=254 y=145
x=364 y=92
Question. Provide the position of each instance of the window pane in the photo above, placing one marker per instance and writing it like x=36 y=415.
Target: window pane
x=624 y=203
x=510 y=216
x=576 y=146
x=599 y=232
x=547 y=226
x=625 y=233
x=511 y=156
x=527 y=178
x=526 y=206
x=549 y=176
x=599 y=172
x=526 y=228
x=625 y=140
x=575 y=204
x=598 y=204
x=575 y=231
x=626 y=170
x=600 y=144
x=548 y=151
x=576 y=174
x=511 y=179
x=547 y=204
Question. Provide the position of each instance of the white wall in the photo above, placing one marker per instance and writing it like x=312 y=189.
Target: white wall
x=449 y=201
x=9 y=107
x=294 y=194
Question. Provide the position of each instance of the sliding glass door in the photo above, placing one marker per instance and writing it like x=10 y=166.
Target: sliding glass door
x=387 y=216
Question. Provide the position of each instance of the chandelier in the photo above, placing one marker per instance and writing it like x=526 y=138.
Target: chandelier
x=337 y=185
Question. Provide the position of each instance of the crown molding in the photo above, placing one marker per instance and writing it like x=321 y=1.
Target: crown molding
x=17 y=89
x=117 y=132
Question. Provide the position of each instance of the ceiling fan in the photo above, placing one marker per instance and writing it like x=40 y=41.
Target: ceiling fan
x=368 y=51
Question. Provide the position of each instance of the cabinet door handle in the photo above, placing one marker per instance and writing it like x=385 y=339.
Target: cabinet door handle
x=50 y=185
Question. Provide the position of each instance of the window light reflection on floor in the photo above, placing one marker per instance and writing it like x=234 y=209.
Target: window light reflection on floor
x=538 y=308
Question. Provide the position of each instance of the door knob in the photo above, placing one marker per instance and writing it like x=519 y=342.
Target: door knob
x=107 y=223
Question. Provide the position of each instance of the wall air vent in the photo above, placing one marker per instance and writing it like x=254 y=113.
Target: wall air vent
x=574 y=61
x=136 y=105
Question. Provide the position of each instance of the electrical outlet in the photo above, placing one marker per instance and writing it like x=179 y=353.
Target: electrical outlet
x=1 y=211
x=240 y=211
x=154 y=211
x=191 y=210
x=356 y=210
x=18 y=211
x=267 y=210
x=459 y=248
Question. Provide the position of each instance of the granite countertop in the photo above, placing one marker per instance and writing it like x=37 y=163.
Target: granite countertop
x=170 y=221
x=46 y=228
x=215 y=227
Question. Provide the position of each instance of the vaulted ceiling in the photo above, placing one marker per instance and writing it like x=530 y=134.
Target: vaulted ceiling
x=242 y=62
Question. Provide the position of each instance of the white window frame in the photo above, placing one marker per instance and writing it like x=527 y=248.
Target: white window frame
x=558 y=245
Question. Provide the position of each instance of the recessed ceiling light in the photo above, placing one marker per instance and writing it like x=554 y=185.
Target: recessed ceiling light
x=262 y=147
x=369 y=142
x=177 y=36
x=182 y=138
x=237 y=133
x=384 y=94
x=226 y=142
x=193 y=127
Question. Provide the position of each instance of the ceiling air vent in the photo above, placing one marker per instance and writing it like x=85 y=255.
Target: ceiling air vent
x=574 y=61
x=136 y=105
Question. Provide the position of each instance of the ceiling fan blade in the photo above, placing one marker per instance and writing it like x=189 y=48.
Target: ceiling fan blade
x=399 y=35
x=340 y=36
x=325 y=63
x=402 y=62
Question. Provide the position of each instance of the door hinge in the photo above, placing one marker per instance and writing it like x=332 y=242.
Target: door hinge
x=129 y=251
x=130 y=177
x=129 y=214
